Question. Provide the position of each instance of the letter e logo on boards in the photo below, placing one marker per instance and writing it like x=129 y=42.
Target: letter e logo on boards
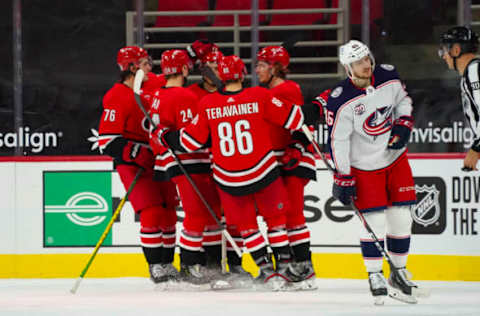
x=77 y=206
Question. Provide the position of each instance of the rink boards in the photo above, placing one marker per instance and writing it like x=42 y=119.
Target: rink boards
x=54 y=210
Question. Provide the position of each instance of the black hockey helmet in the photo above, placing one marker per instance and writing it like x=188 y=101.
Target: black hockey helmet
x=462 y=35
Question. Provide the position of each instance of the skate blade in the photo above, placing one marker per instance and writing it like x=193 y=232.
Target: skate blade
x=243 y=284
x=421 y=292
x=306 y=285
x=379 y=300
x=221 y=285
x=181 y=286
x=274 y=284
x=399 y=296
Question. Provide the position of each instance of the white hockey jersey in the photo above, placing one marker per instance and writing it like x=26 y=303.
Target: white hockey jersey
x=360 y=121
x=470 y=87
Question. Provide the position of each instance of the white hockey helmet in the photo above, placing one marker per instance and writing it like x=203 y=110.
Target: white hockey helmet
x=351 y=52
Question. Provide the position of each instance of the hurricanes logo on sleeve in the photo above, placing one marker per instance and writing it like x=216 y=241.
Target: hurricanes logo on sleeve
x=277 y=102
x=379 y=122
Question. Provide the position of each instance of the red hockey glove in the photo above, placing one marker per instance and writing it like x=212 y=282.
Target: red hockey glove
x=321 y=101
x=344 y=188
x=291 y=158
x=199 y=49
x=138 y=154
x=157 y=141
x=400 y=134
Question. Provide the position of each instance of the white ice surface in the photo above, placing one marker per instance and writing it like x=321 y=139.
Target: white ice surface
x=136 y=296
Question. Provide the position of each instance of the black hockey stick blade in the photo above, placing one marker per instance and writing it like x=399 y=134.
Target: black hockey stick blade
x=208 y=73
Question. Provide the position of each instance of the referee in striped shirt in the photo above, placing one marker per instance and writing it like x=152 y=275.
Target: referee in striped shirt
x=458 y=47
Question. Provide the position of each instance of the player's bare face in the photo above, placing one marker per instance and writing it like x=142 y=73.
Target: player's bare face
x=146 y=65
x=362 y=69
x=263 y=71
x=445 y=55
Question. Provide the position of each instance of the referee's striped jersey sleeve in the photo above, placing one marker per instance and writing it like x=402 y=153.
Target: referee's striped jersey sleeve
x=471 y=98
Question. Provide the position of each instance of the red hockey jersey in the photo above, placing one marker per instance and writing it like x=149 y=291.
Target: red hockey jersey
x=290 y=92
x=198 y=90
x=149 y=87
x=243 y=157
x=175 y=107
x=121 y=117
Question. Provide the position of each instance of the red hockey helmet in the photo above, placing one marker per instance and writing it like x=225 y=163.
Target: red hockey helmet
x=130 y=55
x=274 y=54
x=173 y=60
x=231 y=68
x=212 y=57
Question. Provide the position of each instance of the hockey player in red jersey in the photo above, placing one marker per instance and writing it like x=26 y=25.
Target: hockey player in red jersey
x=212 y=239
x=369 y=116
x=174 y=107
x=298 y=164
x=245 y=167
x=123 y=134
x=207 y=85
x=197 y=52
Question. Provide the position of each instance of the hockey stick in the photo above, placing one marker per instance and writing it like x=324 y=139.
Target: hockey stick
x=415 y=291
x=136 y=88
x=208 y=72
x=106 y=231
x=223 y=261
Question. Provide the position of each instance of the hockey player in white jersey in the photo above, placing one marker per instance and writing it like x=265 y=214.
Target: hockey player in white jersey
x=458 y=47
x=369 y=116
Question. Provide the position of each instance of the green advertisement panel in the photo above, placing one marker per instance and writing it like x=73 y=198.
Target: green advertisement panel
x=77 y=207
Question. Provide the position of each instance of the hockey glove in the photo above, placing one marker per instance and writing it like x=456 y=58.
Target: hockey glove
x=139 y=155
x=321 y=101
x=292 y=155
x=157 y=140
x=400 y=134
x=199 y=49
x=344 y=188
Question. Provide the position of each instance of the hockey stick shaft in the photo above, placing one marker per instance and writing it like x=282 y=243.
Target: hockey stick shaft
x=137 y=84
x=106 y=231
x=224 y=254
x=372 y=234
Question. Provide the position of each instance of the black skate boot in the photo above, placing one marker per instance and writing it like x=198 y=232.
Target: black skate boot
x=403 y=289
x=269 y=279
x=163 y=273
x=302 y=276
x=195 y=277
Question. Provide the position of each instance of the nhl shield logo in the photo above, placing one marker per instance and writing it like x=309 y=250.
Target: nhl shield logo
x=427 y=210
x=429 y=214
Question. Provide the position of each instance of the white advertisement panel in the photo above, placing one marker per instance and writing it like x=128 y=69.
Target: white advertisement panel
x=445 y=219
x=63 y=207
x=7 y=195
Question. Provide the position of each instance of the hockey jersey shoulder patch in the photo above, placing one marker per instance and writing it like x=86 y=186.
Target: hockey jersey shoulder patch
x=341 y=95
x=387 y=67
x=384 y=73
x=336 y=92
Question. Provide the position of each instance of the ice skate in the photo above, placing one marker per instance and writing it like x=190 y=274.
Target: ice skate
x=301 y=276
x=403 y=289
x=378 y=287
x=164 y=275
x=239 y=278
x=162 y=272
x=194 y=277
x=218 y=279
x=269 y=279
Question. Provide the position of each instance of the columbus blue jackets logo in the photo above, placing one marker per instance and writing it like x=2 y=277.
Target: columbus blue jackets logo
x=379 y=122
